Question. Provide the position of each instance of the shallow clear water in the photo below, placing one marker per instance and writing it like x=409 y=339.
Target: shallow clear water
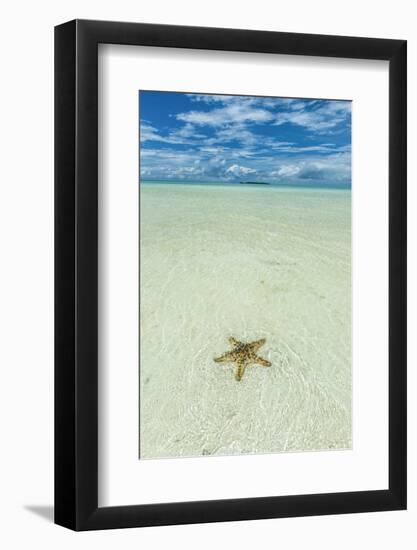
x=248 y=262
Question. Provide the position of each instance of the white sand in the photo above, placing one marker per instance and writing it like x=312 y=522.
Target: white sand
x=249 y=262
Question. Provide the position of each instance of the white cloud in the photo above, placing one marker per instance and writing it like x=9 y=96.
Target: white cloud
x=186 y=135
x=235 y=112
x=211 y=98
x=332 y=169
x=237 y=170
x=287 y=170
x=327 y=116
x=148 y=133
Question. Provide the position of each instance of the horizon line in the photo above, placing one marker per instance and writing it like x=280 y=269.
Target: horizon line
x=242 y=182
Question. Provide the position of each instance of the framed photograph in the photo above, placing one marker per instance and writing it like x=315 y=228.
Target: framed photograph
x=230 y=252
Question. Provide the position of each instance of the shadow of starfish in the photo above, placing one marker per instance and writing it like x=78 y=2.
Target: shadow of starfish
x=243 y=355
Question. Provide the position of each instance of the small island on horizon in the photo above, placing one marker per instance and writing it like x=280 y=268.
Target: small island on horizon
x=254 y=183
x=271 y=184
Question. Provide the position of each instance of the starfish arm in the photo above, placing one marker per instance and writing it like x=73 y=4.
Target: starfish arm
x=262 y=361
x=240 y=371
x=256 y=345
x=233 y=341
x=225 y=358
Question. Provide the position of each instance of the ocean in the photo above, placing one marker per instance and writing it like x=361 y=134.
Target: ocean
x=248 y=262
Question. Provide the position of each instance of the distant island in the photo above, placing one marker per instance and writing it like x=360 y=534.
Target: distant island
x=254 y=183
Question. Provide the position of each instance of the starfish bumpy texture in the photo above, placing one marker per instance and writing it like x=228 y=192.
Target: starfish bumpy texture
x=243 y=355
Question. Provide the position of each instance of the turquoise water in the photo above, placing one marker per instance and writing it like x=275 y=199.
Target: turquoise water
x=249 y=262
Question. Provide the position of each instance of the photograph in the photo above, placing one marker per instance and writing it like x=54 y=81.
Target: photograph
x=208 y=335
x=244 y=274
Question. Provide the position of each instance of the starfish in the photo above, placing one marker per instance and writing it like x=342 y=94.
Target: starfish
x=243 y=355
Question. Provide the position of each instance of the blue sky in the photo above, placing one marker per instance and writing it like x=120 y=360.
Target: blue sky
x=220 y=138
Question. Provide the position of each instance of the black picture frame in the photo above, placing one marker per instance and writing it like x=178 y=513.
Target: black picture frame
x=76 y=273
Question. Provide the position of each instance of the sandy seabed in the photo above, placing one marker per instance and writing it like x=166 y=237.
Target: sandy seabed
x=246 y=262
